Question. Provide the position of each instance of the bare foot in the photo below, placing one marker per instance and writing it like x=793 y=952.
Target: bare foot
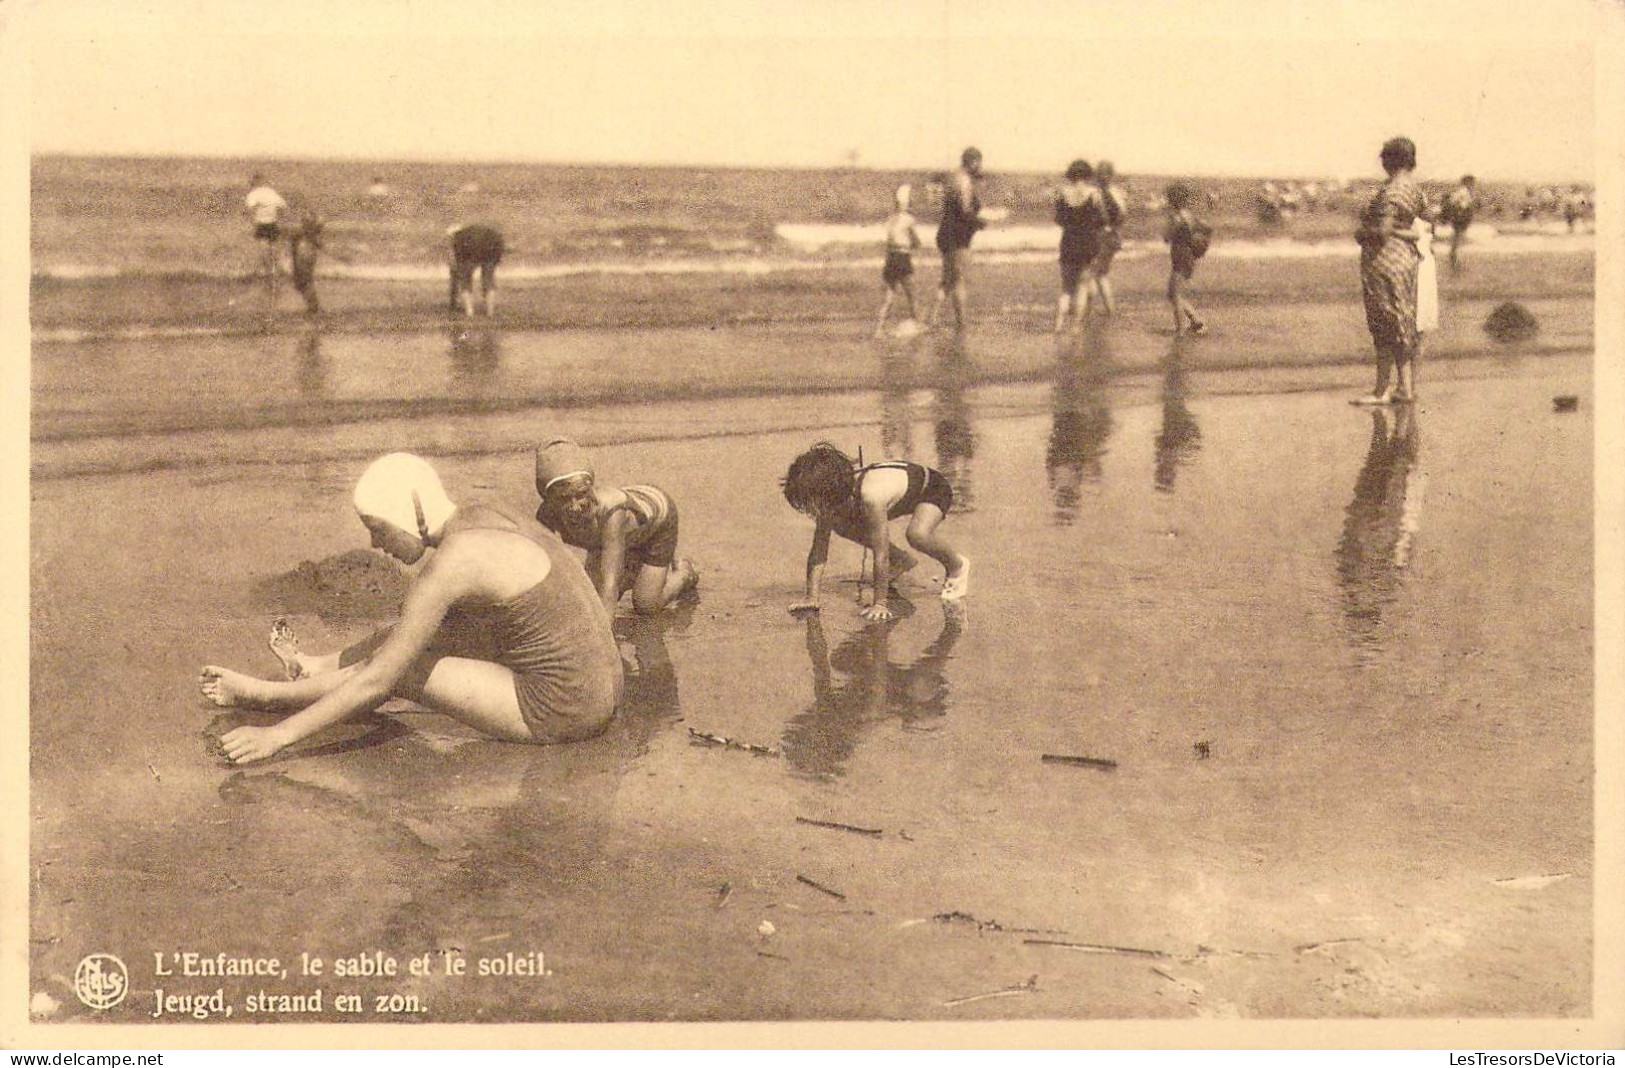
x=285 y=644
x=226 y=688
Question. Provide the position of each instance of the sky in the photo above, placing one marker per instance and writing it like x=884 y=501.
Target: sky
x=1171 y=86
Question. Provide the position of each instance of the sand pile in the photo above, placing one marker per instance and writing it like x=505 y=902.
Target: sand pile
x=359 y=584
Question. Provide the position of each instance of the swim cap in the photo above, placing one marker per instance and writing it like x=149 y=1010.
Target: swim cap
x=394 y=487
x=557 y=460
x=904 y=193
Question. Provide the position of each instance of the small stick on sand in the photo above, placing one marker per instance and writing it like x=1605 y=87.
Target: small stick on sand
x=872 y=832
x=1091 y=947
x=155 y=774
x=1310 y=947
x=1029 y=987
x=1080 y=761
x=701 y=738
x=820 y=887
x=724 y=894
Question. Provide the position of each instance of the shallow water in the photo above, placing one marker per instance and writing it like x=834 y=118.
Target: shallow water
x=1341 y=660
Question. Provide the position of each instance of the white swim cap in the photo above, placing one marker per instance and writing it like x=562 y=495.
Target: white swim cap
x=403 y=490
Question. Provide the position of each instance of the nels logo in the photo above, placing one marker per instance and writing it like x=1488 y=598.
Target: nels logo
x=101 y=981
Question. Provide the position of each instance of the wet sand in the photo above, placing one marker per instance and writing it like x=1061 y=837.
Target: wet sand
x=1341 y=660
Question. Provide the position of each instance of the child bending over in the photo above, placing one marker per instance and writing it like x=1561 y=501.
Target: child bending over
x=858 y=503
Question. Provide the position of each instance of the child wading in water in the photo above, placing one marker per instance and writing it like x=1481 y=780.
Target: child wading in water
x=630 y=534
x=898 y=273
x=1188 y=239
x=857 y=503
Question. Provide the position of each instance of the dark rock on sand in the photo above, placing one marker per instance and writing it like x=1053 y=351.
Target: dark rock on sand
x=1511 y=322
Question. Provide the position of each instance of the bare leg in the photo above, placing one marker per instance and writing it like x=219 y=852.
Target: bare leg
x=488 y=283
x=475 y=692
x=885 y=307
x=1405 y=369
x=1063 y=308
x=908 y=297
x=922 y=534
x=285 y=645
x=961 y=292
x=657 y=587
x=1106 y=301
x=270 y=271
x=232 y=689
x=936 y=305
x=1380 y=393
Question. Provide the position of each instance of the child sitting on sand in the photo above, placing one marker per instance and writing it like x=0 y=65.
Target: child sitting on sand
x=898 y=273
x=857 y=503
x=630 y=533
x=500 y=630
x=1187 y=238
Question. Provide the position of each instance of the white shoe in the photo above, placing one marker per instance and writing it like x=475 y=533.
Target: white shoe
x=958 y=586
x=907 y=328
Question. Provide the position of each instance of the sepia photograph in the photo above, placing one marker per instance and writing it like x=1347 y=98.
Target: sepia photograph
x=1027 y=524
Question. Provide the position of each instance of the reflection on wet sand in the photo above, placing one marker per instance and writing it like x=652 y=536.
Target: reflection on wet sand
x=1179 y=439
x=896 y=402
x=1082 y=418
x=1381 y=521
x=858 y=685
x=468 y=841
x=475 y=354
x=312 y=376
x=950 y=412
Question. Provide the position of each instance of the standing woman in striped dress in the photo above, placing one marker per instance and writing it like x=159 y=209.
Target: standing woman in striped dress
x=1388 y=266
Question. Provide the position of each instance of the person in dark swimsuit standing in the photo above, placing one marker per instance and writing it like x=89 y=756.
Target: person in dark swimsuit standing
x=500 y=630
x=857 y=503
x=961 y=218
x=1078 y=214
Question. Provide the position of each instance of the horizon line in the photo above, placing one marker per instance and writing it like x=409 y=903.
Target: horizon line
x=258 y=159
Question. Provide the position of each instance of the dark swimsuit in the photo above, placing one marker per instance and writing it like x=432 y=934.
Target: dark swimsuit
x=925 y=486
x=555 y=638
x=1080 y=238
x=959 y=222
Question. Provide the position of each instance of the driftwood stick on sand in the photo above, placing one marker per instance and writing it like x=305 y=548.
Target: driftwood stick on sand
x=820 y=887
x=702 y=738
x=1095 y=947
x=872 y=832
x=1029 y=987
x=1080 y=761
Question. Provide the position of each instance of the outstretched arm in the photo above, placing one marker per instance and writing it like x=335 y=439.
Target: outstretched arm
x=817 y=557
x=612 y=557
x=879 y=541
x=441 y=585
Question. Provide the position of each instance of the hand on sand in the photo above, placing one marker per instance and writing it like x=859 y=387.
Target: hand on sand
x=803 y=606
x=248 y=744
x=877 y=613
